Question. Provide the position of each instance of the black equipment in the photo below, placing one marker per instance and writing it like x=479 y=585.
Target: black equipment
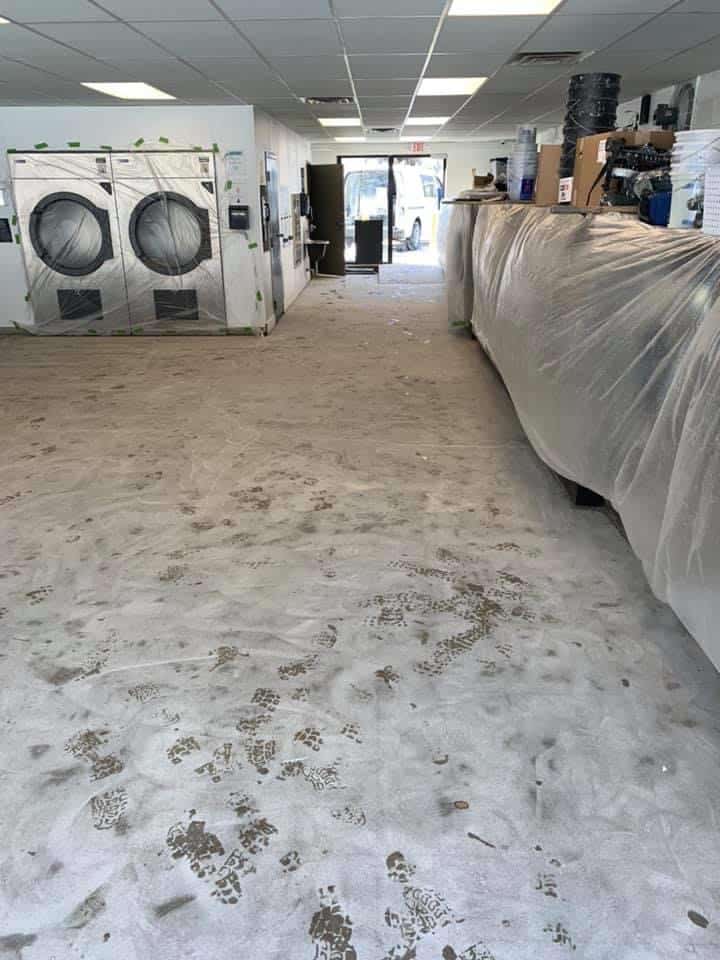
x=625 y=166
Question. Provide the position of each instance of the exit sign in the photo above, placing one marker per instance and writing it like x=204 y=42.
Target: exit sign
x=418 y=147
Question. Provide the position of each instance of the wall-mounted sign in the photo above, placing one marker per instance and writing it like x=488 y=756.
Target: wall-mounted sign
x=418 y=147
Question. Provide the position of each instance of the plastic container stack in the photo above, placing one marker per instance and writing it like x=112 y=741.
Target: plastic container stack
x=591 y=108
x=694 y=150
x=522 y=166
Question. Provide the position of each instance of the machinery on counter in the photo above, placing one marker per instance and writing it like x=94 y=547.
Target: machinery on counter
x=69 y=229
x=168 y=212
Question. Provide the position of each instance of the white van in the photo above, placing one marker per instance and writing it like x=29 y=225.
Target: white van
x=416 y=204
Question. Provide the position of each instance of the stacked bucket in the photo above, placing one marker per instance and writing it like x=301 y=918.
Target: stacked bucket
x=522 y=166
x=694 y=151
x=591 y=108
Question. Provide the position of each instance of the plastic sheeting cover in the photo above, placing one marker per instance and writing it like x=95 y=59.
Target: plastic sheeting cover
x=122 y=242
x=607 y=335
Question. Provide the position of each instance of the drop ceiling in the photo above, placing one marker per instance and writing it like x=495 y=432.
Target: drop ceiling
x=273 y=53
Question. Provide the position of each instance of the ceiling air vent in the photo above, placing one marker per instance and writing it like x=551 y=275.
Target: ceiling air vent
x=557 y=59
x=331 y=101
x=382 y=130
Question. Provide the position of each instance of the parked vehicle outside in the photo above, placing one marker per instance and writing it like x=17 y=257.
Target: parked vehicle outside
x=416 y=203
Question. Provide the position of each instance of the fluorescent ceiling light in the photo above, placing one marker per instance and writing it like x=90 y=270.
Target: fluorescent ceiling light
x=339 y=122
x=501 y=8
x=413 y=139
x=130 y=91
x=350 y=139
x=450 y=86
x=426 y=121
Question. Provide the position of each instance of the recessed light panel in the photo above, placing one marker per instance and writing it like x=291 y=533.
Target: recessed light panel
x=130 y=91
x=426 y=121
x=339 y=122
x=450 y=86
x=350 y=139
x=502 y=8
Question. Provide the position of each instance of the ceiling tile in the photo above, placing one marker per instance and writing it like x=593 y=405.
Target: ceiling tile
x=175 y=10
x=672 y=32
x=421 y=133
x=437 y=106
x=252 y=76
x=578 y=32
x=464 y=64
x=333 y=109
x=283 y=38
x=37 y=11
x=485 y=34
x=310 y=69
x=76 y=66
x=383 y=103
x=389 y=86
x=704 y=58
x=101 y=39
x=516 y=79
x=275 y=9
x=389 y=8
x=196 y=40
x=19 y=42
x=371 y=68
x=614 y=6
x=384 y=118
x=401 y=35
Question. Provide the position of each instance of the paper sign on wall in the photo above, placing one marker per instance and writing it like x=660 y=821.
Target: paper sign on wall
x=565 y=190
x=602 y=151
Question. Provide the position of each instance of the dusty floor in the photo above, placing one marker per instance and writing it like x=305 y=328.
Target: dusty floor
x=307 y=657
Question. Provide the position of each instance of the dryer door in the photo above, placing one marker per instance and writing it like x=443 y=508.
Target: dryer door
x=70 y=234
x=170 y=234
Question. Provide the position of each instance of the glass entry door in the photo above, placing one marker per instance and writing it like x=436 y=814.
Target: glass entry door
x=405 y=193
x=367 y=183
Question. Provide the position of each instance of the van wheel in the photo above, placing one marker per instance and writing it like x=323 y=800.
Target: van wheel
x=415 y=239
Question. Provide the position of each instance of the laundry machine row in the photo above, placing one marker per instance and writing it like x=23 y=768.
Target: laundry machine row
x=120 y=243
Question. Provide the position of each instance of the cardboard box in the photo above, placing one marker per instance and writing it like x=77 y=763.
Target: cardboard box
x=590 y=159
x=548 y=177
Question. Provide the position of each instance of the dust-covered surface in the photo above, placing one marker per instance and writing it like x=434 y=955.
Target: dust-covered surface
x=306 y=655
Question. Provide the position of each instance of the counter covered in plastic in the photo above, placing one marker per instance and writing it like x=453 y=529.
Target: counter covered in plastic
x=607 y=335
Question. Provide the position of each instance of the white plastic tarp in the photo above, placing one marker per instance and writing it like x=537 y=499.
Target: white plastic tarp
x=607 y=334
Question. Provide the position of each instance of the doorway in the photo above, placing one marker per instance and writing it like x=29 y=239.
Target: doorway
x=405 y=193
x=272 y=215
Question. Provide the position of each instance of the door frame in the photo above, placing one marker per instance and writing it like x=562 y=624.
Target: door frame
x=278 y=307
x=391 y=191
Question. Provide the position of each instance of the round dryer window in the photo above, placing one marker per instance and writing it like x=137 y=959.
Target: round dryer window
x=170 y=234
x=70 y=234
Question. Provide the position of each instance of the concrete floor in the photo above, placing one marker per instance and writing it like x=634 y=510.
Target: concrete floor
x=306 y=656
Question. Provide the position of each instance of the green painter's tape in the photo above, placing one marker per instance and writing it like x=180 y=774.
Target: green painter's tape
x=12 y=150
x=259 y=297
x=247 y=331
x=216 y=148
x=17 y=238
x=73 y=143
x=252 y=246
x=27 y=298
x=41 y=146
x=14 y=219
x=199 y=149
x=104 y=146
x=228 y=184
x=163 y=140
x=139 y=142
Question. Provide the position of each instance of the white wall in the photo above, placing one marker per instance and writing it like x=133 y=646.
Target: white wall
x=462 y=157
x=707 y=101
x=231 y=128
x=293 y=153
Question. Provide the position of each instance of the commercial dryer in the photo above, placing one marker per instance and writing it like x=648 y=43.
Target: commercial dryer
x=167 y=205
x=71 y=242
